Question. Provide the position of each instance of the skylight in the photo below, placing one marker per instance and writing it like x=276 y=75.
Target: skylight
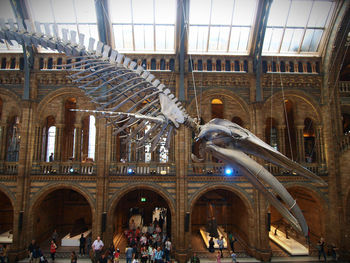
x=297 y=26
x=6 y=12
x=77 y=15
x=220 y=27
x=143 y=25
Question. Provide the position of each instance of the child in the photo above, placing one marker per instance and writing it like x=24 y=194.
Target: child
x=234 y=257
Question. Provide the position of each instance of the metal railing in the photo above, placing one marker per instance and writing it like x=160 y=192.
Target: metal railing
x=142 y=169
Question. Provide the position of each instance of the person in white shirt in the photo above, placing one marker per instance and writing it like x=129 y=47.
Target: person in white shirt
x=97 y=247
x=167 y=250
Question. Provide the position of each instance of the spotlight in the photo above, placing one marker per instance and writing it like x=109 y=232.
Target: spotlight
x=130 y=171
x=71 y=170
x=228 y=171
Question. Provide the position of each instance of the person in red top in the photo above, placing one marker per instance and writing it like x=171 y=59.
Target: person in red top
x=116 y=256
x=53 y=250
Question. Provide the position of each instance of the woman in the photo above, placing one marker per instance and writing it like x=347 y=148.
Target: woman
x=144 y=254
x=73 y=257
x=53 y=250
x=211 y=245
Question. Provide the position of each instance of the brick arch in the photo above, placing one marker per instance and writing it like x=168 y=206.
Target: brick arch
x=321 y=200
x=250 y=237
x=229 y=187
x=9 y=195
x=7 y=97
x=41 y=194
x=277 y=98
x=63 y=93
x=113 y=202
x=224 y=95
x=315 y=192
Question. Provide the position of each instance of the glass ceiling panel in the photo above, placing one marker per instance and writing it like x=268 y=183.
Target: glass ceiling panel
x=227 y=25
x=6 y=12
x=77 y=15
x=297 y=26
x=143 y=25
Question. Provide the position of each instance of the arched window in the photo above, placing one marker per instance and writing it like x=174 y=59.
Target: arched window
x=309 y=141
x=88 y=138
x=217 y=109
x=13 y=139
x=68 y=151
x=238 y=121
x=291 y=144
x=50 y=150
x=92 y=137
x=271 y=132
x=49 y=139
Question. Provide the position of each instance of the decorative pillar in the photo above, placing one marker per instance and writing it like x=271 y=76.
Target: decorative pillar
x=320 y=145
x=3 y=132
x=281 y=138
x=38 y=143
x=300 y=143
x=77 y=146
x=58 y=142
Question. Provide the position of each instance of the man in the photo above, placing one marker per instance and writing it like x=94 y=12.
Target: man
x=82 y=241
x=167 y=250
x=97 y=247
x=232 y=241
x=158 y=256
x=51 y=157
x=128 y=254
x=221 y=245
x=30 y=250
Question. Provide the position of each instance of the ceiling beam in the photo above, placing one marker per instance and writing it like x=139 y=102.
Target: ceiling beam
x=181 y=42
x=259 y=35
x=21 y=13
x=103 y=21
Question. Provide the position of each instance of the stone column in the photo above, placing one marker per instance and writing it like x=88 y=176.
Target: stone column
x=38 y=143
x=300 y=143
x=281 y=138
x=58 y=142
x=77 y=154
x=27 y=131
x=101 y=179
x=3 y=132
x=320 y=145
x=182 y=239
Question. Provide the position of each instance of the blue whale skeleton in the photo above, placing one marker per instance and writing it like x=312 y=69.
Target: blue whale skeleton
x=131 y=99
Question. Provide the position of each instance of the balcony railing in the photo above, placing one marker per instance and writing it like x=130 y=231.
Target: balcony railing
x=142 y=169
x=211 y=169
x=63 y=168
x=344 y=86
x=10 y=168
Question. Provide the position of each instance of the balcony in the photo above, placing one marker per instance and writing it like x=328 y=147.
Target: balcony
x=9 y=168
x=63 y=168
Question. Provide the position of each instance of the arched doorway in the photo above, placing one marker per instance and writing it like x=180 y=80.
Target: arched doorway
x=140 y=211
x=312 y=208
x=66 y=211
x=6 y=220
x=226 y=210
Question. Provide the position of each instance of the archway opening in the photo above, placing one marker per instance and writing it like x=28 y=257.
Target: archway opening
x=312 y=210
x=218 y=213
x=141 y=212
x=65 y=211
x=6 y=220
